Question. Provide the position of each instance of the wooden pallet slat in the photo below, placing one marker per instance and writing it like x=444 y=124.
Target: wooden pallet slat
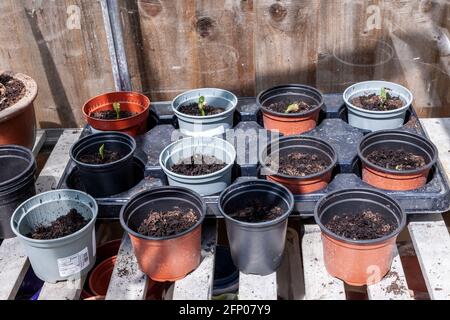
x=253 y=287
x=319 y=285
x=41 y=136
x=13 y=268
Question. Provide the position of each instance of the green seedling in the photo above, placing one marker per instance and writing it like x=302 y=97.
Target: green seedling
x=101 y=152
x=201 y=105
x=384 y=95
x=116 y=107
x=293 y=108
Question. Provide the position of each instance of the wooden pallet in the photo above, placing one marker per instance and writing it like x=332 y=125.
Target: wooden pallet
x=302 y=274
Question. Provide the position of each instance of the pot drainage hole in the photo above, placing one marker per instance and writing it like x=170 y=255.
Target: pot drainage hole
x=368 y=225
x=299 y=164
x=168 y=223
x=255 y=212
x=198 y=165
x=383 y=102
x=61 y=227
x=11 y=91
x=291 y=107
x=399 y=160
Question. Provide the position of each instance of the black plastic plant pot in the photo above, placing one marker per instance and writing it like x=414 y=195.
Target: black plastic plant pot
x=308 y=145
x=17 y=178
x=391 y=179
x=358 y=262
x=256 y=248
x=102 y=180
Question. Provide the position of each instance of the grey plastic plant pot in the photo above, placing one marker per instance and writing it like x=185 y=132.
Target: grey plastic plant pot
x=205 y=185
x=377 y=120
x=207 y=126
x=256 y=248
x=70 y=257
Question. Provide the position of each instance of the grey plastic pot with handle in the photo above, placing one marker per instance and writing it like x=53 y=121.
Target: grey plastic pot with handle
x=205 y=185
x=70 y=257
x=377 y=120
x=207 y=126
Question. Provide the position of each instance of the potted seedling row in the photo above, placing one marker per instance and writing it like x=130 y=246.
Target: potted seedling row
x=377 y=105
x=105 y=162
x=57 y=229
x=125 y=112
x=165 y=226
x=202 y=164
x=205 y=112
x=17 y=116
x=302 y=164
x=396 y=160
x=290 y=109
x=359 y=231
x=256 y=214
x=17 y=178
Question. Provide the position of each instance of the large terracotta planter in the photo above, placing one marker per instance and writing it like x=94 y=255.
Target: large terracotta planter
x=166 y=258
x=291 y=124
x=129 y=101
x=299 y=185
x=394 y=180
x=18 y=122
x=358 y=262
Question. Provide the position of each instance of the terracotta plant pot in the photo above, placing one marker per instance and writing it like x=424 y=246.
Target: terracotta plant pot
x=129 y=101
x=286 y=145
x=291 y=124
x=166 y=258
x=358 y=262
x=395 y=180
x=18 y=122
x=107 y=250
x=100 y=277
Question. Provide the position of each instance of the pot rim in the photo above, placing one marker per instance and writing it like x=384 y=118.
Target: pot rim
x=283 y=217
x=350 y=105
x=111 y=260
x=135 y=234
x=26 y=172
x=325 y=230
x=291 y=115
x=428 y=166
x=100 y=135
x=299 y=137
x=146 y=108
x=210 y=175
x=94 y=210
x=186 y=116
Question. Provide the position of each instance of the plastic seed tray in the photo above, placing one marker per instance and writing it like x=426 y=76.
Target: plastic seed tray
x=249 y=138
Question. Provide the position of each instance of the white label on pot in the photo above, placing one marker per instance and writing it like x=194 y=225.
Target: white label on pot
x=74 y=264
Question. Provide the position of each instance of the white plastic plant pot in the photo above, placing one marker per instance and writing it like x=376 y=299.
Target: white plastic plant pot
x=205 y=185
x=206 y=126
x=70 y=257
x=377 y=120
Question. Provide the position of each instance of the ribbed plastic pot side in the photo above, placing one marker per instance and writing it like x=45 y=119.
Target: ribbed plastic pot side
x=358 y=262
x=256 y=248
x=396 y=180
x=165 y=258
x=311 y=145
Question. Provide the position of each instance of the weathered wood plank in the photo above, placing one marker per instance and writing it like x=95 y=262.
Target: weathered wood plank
x=127 y=282
x=393 y=286
x=13 y=267
x=253 y=287
x=319 y=285
x=199 y=284
x=41 y=135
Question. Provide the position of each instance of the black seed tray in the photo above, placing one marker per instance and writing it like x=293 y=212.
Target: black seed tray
x=333 y=128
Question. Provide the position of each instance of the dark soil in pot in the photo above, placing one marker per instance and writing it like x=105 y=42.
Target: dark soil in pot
x=168 y=223
x=192 y=109
x=299 y=164
x=290 y=106
x=61 y=227
x=112 y=115
x=255 y=211
x=396 y=159
x=95 y=158
x=368 y=225
x=11 y=91
x=198 y=165
x=374 y=102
